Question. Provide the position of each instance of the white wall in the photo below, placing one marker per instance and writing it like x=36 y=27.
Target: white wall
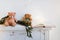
x=43 y=11
x=18 y=6
x=48 y=10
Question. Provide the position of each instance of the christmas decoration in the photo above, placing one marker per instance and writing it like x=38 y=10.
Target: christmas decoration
x=26 y=21
x=10 y=21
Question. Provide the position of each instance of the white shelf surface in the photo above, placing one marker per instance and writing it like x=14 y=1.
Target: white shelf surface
x=19 y=33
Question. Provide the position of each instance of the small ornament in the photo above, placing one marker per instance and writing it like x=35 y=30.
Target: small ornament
x=26 y=21
x=10 y=21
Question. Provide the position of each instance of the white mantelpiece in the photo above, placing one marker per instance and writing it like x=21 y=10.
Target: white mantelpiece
x=18 y=33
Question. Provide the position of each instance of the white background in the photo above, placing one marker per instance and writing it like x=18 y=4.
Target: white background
x=43 y=11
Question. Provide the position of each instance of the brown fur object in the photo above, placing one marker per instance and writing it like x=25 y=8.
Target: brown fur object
x=27 y=16
x=27 y=19
x=10 y=21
